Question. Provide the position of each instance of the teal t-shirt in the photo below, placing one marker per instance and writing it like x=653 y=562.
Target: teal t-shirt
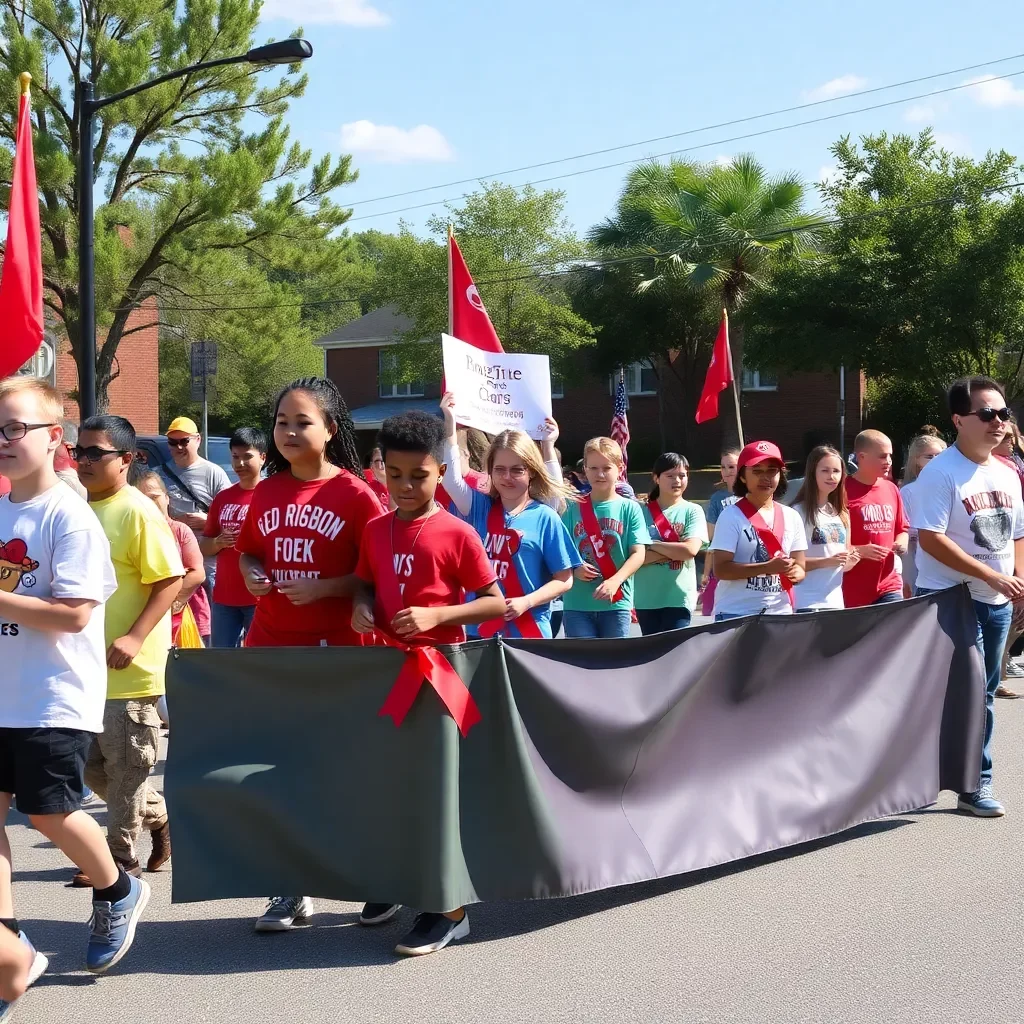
x=671 y=584
x=622 y=523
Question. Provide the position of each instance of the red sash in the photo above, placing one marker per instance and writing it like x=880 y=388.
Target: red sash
x=512 y=585
x=597 y=542
x=666 y=530
x=771 y=539
x=422 y=661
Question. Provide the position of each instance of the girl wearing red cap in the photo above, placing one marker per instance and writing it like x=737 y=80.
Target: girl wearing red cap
x=759 y=543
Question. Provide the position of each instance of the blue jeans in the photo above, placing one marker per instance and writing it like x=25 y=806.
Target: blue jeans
x=662 y=620
x=993 y=629
x=230 y=623
x=889 y=597
x=556 y=621
x=612 y=623
x=722 y=616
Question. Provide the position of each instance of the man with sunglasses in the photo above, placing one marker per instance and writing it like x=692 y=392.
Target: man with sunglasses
x=969 y=514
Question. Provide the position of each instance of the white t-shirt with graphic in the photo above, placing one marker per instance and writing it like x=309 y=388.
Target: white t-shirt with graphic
x=979 y=508
x=53 y=546
x=733 y=532
x=822 y=588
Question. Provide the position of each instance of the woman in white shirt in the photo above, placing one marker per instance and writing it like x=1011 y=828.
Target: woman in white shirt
x=923 y=449
x=759 y=543
x=821 y=504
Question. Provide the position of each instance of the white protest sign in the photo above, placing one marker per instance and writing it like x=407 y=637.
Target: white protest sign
x=496 y=391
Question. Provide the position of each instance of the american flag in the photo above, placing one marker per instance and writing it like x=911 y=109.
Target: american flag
x=620 y=424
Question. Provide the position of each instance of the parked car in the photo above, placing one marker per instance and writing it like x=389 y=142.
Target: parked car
x=155 y=452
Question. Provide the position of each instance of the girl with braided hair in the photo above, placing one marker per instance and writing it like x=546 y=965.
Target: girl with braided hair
x=300 y=542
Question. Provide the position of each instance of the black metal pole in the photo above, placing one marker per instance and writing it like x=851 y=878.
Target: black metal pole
x=86 y=278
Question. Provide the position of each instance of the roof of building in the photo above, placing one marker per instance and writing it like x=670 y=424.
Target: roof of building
x=372 y=417
x=383 y=324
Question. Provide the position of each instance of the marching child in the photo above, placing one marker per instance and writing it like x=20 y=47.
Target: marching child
x=529 y=547
x=821 y=503
x=55 y=575
x=299 y=544
x=415 y=564
x=665 y=589
x=759 y=543
x=610 y=534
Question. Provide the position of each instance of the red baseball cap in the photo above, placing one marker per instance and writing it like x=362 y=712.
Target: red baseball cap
x=759 y=451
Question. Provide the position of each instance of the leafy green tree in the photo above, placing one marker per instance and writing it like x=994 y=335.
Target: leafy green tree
x=181 y=166
x=921 y=278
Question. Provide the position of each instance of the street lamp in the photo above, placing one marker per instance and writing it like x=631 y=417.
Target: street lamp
x=287 y=51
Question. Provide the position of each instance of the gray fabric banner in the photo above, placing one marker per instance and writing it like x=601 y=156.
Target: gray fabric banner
x=598 y=762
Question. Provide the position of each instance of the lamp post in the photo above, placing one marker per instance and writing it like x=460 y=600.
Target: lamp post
x=287 y=51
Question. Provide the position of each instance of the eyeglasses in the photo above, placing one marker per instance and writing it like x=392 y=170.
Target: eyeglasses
x=514 y=471
x=16 y=431
x=987 y=414
x=180 y=442
x=93 y=453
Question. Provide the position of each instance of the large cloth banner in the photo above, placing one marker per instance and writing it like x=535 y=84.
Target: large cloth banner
x=496 y=391
x=597 y=763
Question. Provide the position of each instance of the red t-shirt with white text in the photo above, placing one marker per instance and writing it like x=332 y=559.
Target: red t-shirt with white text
x=437 y=560
x=381 y=490
x=302 y=528
x=876 y=517
x=230 y=506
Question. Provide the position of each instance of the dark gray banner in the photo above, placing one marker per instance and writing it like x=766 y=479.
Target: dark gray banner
x=597 y=763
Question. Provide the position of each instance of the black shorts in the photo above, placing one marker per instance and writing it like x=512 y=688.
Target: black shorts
x=44 y=768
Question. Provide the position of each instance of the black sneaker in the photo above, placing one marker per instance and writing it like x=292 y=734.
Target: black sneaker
x=432 y=932
x=378 y=913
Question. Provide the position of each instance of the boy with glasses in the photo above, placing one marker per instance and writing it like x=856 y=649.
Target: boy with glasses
x=969 y=515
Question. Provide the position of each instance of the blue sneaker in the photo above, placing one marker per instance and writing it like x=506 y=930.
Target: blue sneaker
x=981 y=803
x=35 y=972
x=113 y=927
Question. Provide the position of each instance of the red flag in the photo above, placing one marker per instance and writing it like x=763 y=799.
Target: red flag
x=469 y=321
x=719 y=374
x=21 y=281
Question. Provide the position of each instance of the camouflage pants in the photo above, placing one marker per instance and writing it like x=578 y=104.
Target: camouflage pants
x=120 y=761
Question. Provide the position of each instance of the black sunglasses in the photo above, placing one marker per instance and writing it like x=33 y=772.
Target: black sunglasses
x=987 y=414
x=93 y=453
x=179 y=442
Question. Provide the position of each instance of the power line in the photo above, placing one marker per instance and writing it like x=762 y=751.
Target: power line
x=689 y=131
x=703 y=145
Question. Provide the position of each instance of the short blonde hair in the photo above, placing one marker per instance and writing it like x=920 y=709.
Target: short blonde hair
x=542 y=487
x=51 y=404
x=606 y=446
x=918 y=447
x=869 y=439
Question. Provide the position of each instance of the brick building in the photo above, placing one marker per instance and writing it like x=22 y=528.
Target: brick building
x=795 y=410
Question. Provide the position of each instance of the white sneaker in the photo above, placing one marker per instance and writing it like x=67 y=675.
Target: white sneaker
x=284 y=913
x=35 y=972
x=431 y=932
x=1013 y=670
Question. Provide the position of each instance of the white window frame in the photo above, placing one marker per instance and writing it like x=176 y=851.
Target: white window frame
x=750 y=380
x=634 y=379
x=385 y=390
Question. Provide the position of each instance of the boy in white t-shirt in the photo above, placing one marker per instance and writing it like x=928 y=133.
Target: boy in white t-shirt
x=969 y=516
x=55 y=575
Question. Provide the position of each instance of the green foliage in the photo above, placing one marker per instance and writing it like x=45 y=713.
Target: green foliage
x=900 y=406
x=176 y=163
x=922 y=279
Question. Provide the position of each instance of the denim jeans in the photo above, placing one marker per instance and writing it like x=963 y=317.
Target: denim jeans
x=888 y=597
x=556 y=621
x=722 y=616
x=993 y=629
x=230 y=623
x=662 y=620
x=612 y=623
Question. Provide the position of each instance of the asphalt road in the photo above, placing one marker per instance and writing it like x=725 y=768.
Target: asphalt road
x=918 y=918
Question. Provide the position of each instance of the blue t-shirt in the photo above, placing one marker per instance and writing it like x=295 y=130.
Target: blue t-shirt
x=545 y=548
x=719 y=500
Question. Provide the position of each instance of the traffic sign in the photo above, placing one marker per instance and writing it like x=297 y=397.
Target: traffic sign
x=203 y=358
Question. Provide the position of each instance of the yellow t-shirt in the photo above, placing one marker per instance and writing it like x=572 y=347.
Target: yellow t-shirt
x=144 y=552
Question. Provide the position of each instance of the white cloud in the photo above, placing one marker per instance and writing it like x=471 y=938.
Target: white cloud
x=357 y=13
x=919 y=113
x=990 y=91
x=836 y=87
x=828 y=174
x=723 y=160
x=391 y=145
x=958 y=145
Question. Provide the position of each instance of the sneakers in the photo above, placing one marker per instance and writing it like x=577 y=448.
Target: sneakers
x=35 y=972
x=378 y=913
x=1013 y=670
x=161 y=848
x=982 y=804
x=432 y=932
x=284 y=912
x=113 y=927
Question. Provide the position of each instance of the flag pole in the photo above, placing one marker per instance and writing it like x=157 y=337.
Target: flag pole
x=732 y=374
x=451 y=304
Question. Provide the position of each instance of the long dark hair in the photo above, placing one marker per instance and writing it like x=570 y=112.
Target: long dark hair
x=808 y=493
x=341 y=447
x=663 y=463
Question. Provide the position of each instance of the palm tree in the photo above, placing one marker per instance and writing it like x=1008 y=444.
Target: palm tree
x=716 y=229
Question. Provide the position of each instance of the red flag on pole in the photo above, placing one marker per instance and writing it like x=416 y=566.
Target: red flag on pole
x=467 y=318
x=719 y=374
x=21 y=280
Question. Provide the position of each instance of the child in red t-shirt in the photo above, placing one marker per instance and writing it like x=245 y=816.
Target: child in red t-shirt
x=415 y=564
x=879 y=528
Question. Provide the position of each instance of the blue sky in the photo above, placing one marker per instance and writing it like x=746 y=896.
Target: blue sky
x=424 y=92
